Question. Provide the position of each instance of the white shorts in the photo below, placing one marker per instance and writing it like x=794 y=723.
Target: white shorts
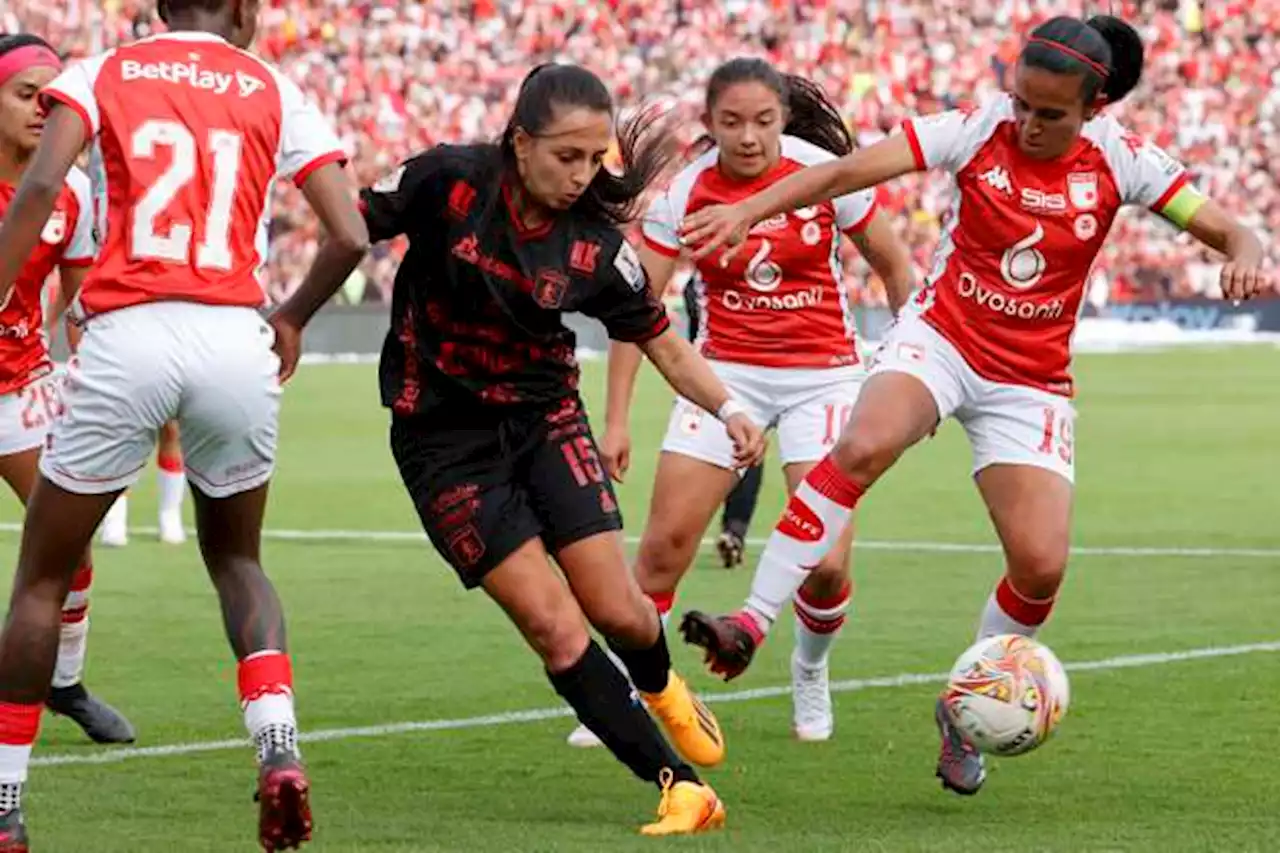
x=211 y=367
x=1006 y=424
x=27 y=414
x=807 y=407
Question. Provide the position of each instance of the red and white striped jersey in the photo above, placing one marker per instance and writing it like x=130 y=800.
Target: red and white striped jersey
x=65 y=241
x=1010 y=271
x=779 y=302
x=188 y=135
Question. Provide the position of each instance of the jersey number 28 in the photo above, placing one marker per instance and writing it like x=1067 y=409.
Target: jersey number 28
x=214 y=252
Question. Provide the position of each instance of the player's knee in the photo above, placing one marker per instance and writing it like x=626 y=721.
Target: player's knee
x=558 y=638
x=1036 y=568
x=865 y=453
x=664 y=555
x=829 y=578
x=630 y=621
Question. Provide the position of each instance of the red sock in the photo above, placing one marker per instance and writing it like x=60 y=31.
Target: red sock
x=19 y=726
x=1008 y=611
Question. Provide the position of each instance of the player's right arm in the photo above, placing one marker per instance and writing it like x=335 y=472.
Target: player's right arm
x=658 y=256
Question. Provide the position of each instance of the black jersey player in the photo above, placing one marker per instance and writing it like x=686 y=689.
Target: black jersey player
x=487 y=428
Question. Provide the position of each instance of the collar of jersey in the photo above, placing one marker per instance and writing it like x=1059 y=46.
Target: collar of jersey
x=187 y=35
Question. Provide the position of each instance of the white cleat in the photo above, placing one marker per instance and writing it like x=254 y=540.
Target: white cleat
x=171 y=530
x=811 y=718
x=583 y=738
x=114 y=532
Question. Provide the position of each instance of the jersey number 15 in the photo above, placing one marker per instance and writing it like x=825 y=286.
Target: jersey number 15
x=214 y=252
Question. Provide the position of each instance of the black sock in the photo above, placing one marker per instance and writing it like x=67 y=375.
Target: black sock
x=605 y=703
x=741 y=503
x=650 y=668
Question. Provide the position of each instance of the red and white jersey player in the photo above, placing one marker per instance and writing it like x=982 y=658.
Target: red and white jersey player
x=188 y=135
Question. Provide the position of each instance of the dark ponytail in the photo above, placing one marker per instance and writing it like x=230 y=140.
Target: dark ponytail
x=646 y=144
x=1105 y=49
x=810 y=114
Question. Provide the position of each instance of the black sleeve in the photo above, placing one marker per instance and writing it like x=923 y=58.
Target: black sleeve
x=624 y=302
x=401 y=201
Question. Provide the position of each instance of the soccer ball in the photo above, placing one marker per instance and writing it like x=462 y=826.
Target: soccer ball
x=1007 y=694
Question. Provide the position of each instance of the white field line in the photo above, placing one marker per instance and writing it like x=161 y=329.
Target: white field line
x=908 y=679
x=865 y=544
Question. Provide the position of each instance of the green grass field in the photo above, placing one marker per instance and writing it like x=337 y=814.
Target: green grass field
x=1174 y=451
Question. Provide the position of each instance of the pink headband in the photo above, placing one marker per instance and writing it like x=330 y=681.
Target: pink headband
x=28 y=56
x=1098 y=68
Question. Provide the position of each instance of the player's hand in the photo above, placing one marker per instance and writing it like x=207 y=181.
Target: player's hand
x=714 y=226
x=288 y=345
x=1242 y=281
x=749 y=443
x=615 y=452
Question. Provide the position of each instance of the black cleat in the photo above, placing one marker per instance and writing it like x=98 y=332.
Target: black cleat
x=13 y=832
x=731 y=548
x=729 y=641
x=101 y=722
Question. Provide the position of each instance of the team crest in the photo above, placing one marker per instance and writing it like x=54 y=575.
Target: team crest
x=549 y=288
x=55 y=230
x=811 y=234
x=1082 y=189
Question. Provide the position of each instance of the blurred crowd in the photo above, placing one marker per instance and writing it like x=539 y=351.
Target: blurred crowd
x=399 y=75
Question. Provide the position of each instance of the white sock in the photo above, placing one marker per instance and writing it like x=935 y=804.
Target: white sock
x=811 y=525
x=73 y=641
x=171 y=485
x=272 y=724
x=818 y=623
x=118 y=515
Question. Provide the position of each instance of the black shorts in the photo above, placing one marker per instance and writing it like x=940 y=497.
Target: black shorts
x=484 y=485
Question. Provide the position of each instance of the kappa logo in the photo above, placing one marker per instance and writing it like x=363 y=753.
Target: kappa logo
x=998 y=179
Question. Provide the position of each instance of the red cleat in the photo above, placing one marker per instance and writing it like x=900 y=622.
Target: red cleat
x=284 y=821
x=13 y=832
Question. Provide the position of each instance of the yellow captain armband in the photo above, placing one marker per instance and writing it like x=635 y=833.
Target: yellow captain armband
x=1186 y=202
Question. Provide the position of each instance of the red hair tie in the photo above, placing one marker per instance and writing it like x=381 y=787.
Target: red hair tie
x=1066 y=50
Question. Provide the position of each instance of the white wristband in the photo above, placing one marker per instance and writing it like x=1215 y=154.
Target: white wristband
x=728 y=409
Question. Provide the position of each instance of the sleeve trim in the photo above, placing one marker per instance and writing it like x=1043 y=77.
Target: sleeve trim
x=1180 y=182
x=861 y=225
x=68 y=101
x=300 y=177
x=913 y=139
x=665 y=251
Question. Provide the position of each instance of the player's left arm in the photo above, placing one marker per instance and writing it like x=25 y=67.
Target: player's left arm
x=60 y=143
x=1242 y=276
x=888 y=257
x=1152 y=178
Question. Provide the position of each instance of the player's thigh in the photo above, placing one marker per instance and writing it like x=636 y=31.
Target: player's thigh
x=463 y=489
x=915 y=381
x=230 y=413
x=124 y=382
x=537 y=601
x=1023 y=453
